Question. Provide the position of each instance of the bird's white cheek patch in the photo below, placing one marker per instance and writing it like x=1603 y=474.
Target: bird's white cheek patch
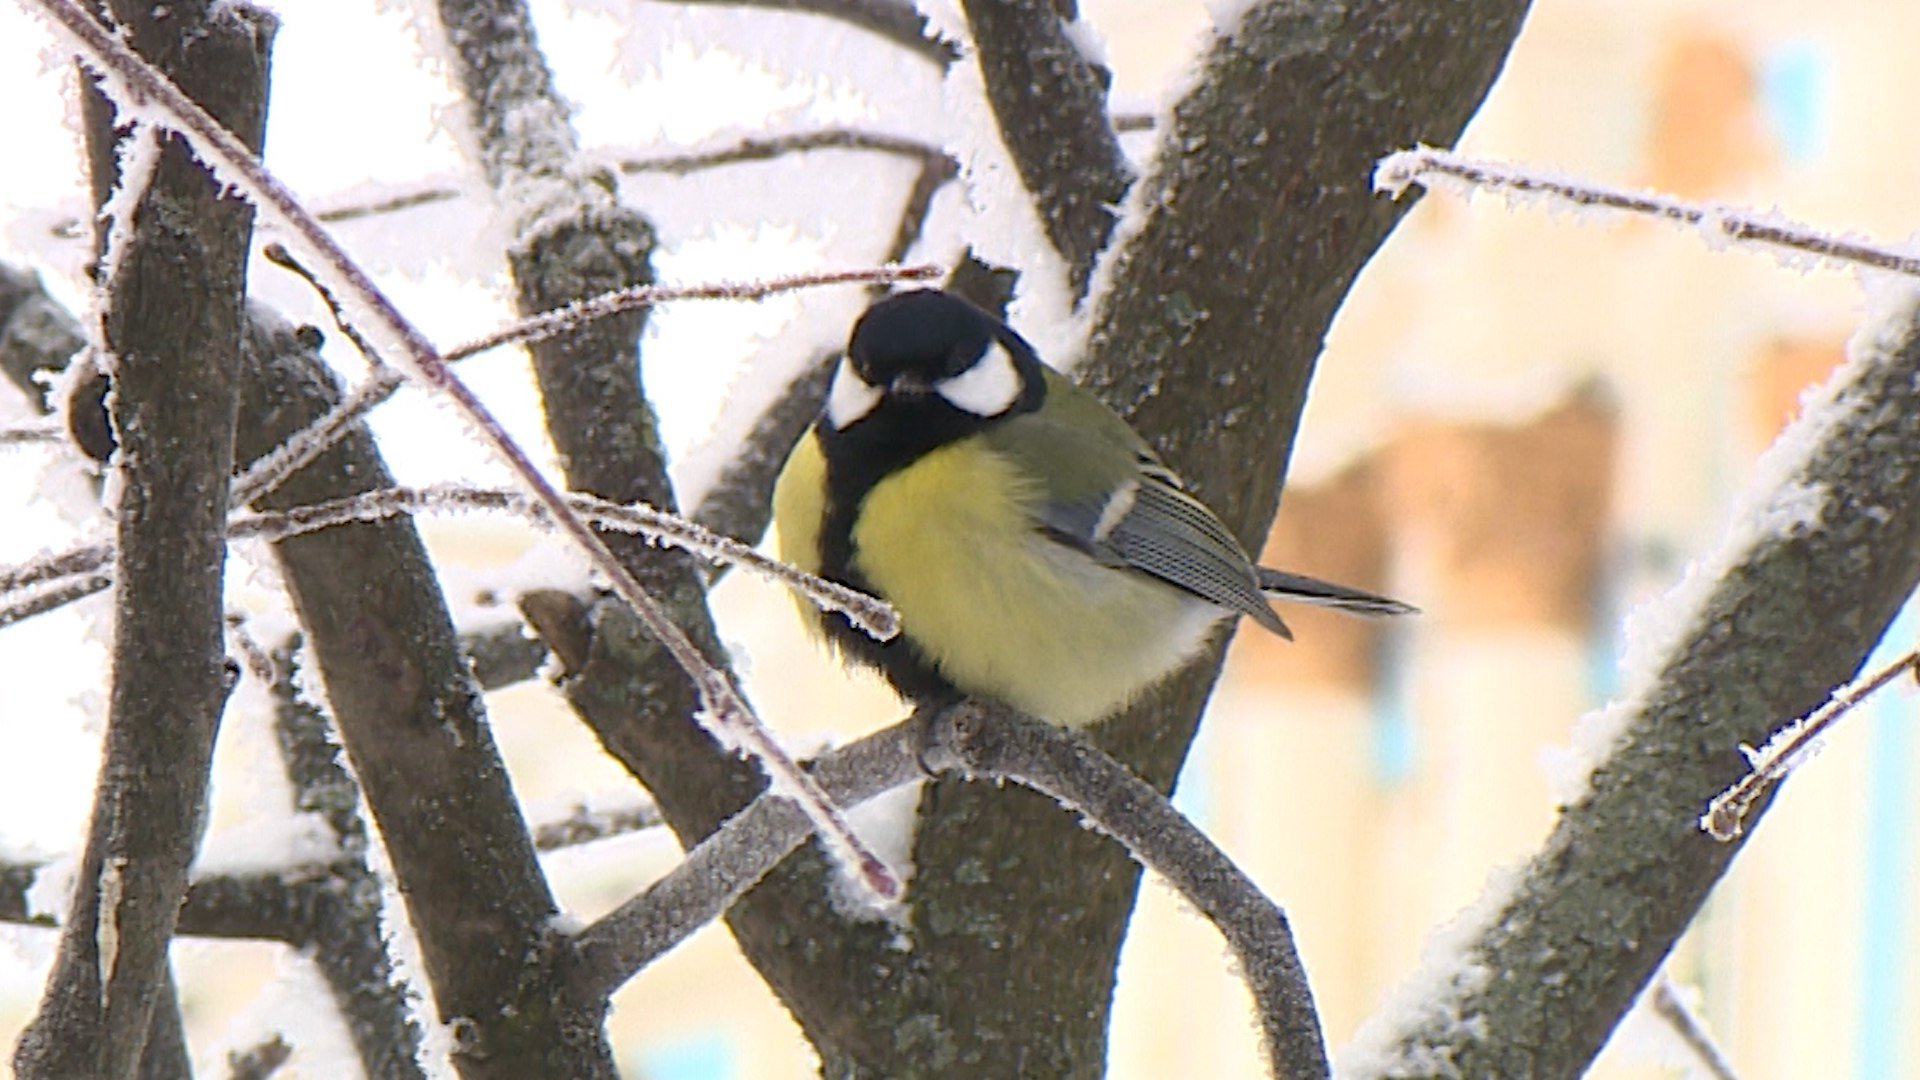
x=988 y=388
x=850 y=398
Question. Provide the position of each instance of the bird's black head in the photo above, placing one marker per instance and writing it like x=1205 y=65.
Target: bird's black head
x=916 y=357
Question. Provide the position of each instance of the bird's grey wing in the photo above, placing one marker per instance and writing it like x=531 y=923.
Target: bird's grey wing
x=1126 y=509
x=1168 y=533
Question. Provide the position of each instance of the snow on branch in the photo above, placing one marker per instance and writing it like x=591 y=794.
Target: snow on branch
x=1795 y=244
x=148 y=95
x=1790 y=747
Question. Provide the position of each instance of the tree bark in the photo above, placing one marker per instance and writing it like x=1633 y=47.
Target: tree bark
x=172 y=326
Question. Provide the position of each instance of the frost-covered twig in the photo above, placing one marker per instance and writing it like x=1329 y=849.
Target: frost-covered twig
x=869 y=613
x=33 y=435
x=28 y=603
x=150 y=94
x=277 y=254
x=732 y=860
x=571 y=317
x=1791 y=241
x=685 y=162
x=1789 y=747
x=266 y=473
x=980 y=741
x=1671 y=1007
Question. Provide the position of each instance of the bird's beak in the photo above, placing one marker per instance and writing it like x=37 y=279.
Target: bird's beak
x=910 y=384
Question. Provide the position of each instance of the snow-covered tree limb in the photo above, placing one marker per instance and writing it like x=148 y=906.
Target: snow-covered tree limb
x=413 y=726
x=1793 y=243
x=1050 y=101
x=338 y=921
x=1809 y=577
x=173 y=326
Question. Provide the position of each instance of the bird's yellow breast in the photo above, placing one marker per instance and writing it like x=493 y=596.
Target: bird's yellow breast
x=1005 y=612
x=800 y=504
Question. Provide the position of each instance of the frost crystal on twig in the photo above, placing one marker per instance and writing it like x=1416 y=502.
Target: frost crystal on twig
x=1795 y=244
x=870 y=614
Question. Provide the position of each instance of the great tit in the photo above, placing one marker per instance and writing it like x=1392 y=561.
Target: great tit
x=1038 y=551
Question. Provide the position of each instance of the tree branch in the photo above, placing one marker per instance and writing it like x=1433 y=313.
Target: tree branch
x=731 y=860
x=997 y=744
x=1051 y=104
x=1221 y=299
x=1807 y=582
x=339 y=920
x=173 y=323
x=574 y=240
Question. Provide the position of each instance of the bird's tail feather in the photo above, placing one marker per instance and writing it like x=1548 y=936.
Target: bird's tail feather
x=1311 y=590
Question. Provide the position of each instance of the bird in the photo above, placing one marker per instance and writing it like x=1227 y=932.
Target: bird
x=1037 y=550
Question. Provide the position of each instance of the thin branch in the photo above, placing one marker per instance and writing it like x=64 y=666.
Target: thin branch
x=573 y=316
x=869 y=613
x=1672 y=1008
x=586 y=824
x=1791 y=746
x=735 y=857
x=264 y=474
x=997 y=744
x=755 y=148
x=744 y=151
x=40 y=601
x=33 y=435
x=1794 y=243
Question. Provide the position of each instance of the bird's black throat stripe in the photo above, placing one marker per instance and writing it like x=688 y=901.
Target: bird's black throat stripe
x=897 y=433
